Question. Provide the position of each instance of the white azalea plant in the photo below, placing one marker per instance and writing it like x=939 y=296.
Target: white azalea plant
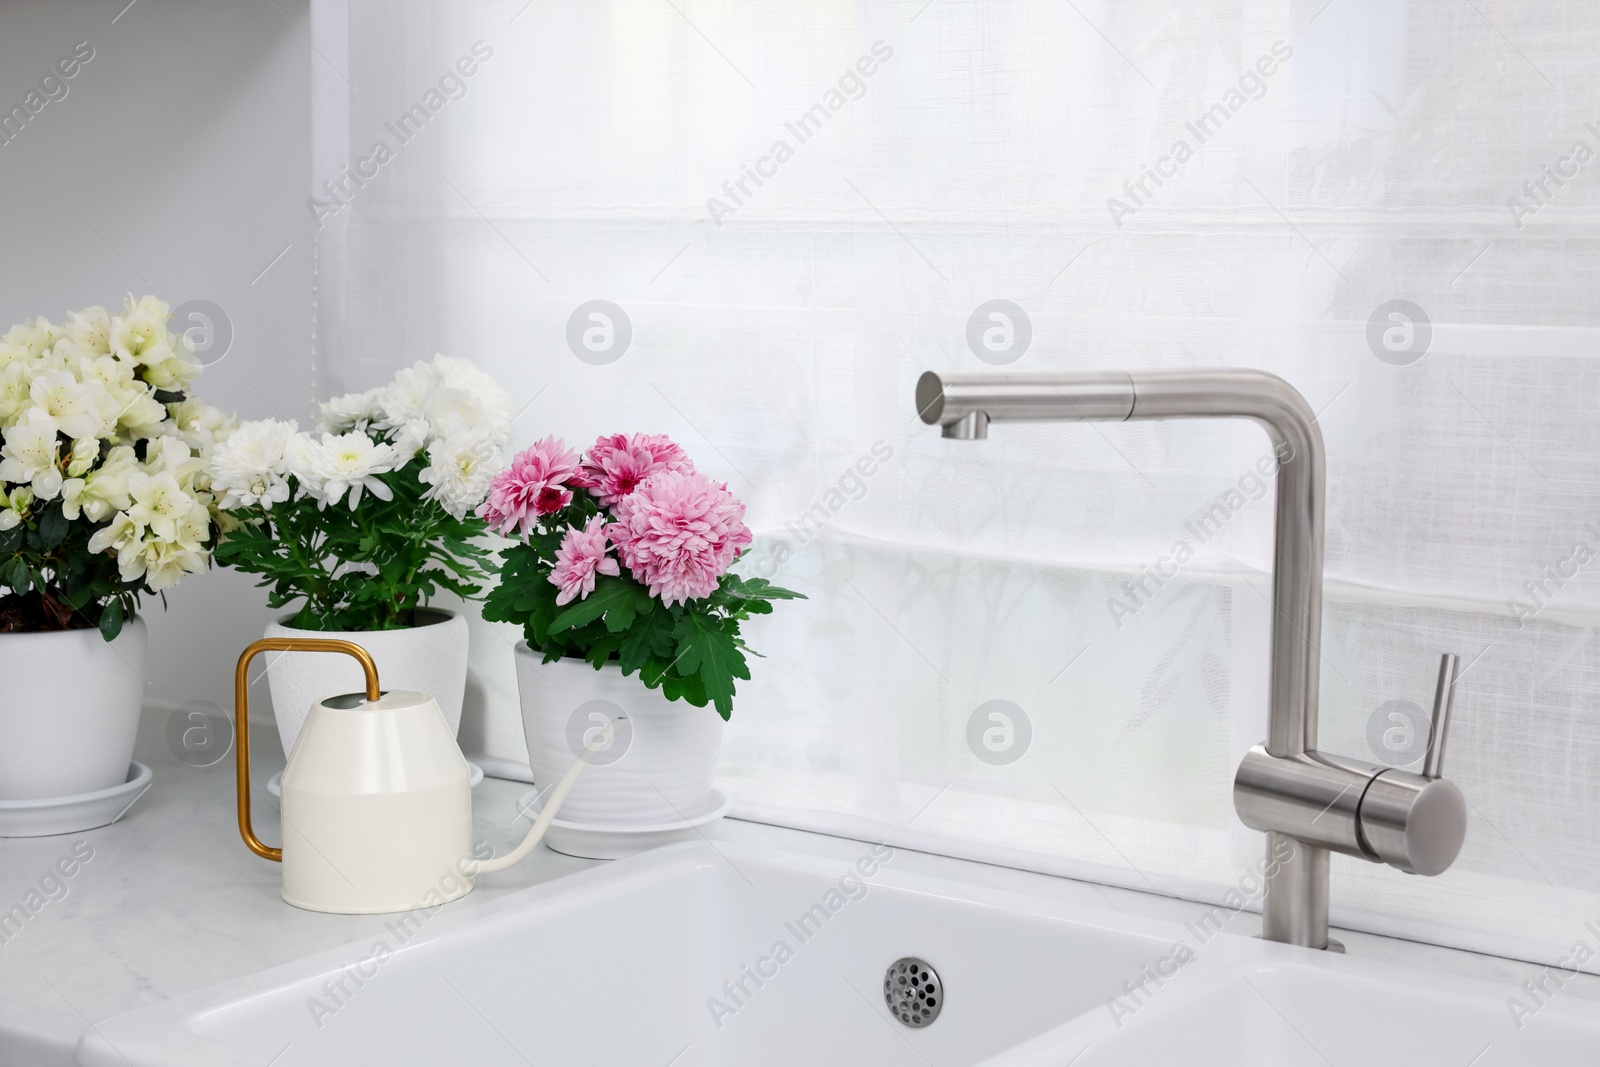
x=104 y=492
x=365 y=519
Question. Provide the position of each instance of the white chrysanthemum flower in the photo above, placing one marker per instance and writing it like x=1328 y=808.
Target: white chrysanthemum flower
x=410 y=439
x=249 y=467
x=459 y=469
x=30 y=454
x=406 y=398
x=352 y=462
x=351 y=411
x=468 y=400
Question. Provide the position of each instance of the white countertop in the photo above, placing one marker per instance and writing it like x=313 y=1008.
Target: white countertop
x=172 y=902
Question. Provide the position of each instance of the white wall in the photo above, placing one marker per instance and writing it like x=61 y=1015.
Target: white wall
x=180 y=159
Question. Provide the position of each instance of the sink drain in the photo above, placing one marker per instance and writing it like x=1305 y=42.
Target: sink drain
x=913 y=991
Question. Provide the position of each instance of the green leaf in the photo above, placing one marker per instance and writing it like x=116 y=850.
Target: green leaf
x=621 y=617
x=15 y=575
x=608 y=593
x=760 y=588
x=53 y=526
x=650 y=638
x=111 y=620
x=707 y=650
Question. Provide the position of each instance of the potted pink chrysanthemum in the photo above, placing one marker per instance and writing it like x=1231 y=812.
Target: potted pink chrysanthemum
x=620 y=580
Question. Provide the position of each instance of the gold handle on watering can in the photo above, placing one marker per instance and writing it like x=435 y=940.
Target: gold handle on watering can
x=241 y=706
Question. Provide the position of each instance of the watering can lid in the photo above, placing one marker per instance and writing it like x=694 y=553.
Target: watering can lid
x=388 y=700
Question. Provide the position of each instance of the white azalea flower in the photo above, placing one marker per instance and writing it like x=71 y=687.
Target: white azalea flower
x=352 y=461
x=142 y=415
x=171 y=455
x=81 y=409
x=200 y=425
x=36 y=337
x=249 y=467
x=85 y=451
x=92 y=382
x=14 y=506
x=29 y=454
x=159 y=502
x=125 y=537
x=90 y=330
x=140 y=335
x=459 y=469
x=16 y=396
x=165 y=564
x=100 y=492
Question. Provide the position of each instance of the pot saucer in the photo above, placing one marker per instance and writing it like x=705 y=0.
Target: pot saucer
x=275 y=783
x=69 y=815
x=598 y=841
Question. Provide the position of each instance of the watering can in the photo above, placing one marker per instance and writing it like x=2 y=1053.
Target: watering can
x=377 y=800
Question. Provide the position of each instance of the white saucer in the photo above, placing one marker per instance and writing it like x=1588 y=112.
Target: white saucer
x=68 y=815
x=600 y=842
x=275 y=783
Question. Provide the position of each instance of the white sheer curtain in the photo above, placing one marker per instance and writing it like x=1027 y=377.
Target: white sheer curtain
x=945 y=154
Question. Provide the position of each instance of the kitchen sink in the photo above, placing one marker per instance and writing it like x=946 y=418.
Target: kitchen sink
x=705 y=954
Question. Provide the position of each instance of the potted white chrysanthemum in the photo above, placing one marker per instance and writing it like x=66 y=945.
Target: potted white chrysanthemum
x=358 y=525
x=103 y=498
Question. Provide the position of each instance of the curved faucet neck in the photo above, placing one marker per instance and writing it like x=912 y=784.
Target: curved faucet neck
x=964 y=406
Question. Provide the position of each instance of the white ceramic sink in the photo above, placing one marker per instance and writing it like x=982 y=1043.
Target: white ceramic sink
x=640 y=962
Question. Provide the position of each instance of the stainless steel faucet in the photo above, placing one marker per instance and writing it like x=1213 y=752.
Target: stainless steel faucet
x=1284 y=787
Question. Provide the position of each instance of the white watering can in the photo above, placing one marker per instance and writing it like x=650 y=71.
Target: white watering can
x=377 y=800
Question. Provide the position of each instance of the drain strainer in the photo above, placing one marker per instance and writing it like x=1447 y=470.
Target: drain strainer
x=913 y=991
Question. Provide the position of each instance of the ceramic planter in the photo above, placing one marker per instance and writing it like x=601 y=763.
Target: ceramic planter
x=428 y=658
x=658 y=772
x=70 y=712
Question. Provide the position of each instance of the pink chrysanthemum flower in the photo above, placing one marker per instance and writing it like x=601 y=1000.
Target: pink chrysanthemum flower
x=581 y=557
x=679 y=532
x=535 y=484
x=615 y=466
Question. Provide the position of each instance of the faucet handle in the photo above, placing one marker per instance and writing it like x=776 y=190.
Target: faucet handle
x=1417 y=822
x=1444 y=695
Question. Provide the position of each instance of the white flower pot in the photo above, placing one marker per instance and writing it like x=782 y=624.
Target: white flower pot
x=70 y=712
x=429 y=658
x=659 y=769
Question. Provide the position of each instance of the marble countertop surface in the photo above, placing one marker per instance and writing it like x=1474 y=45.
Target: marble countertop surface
x=171 y=901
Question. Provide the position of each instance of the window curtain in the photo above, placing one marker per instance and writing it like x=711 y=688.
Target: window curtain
x=1047 y=649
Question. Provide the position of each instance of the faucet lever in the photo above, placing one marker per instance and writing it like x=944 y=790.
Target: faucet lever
x=1444 y=695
